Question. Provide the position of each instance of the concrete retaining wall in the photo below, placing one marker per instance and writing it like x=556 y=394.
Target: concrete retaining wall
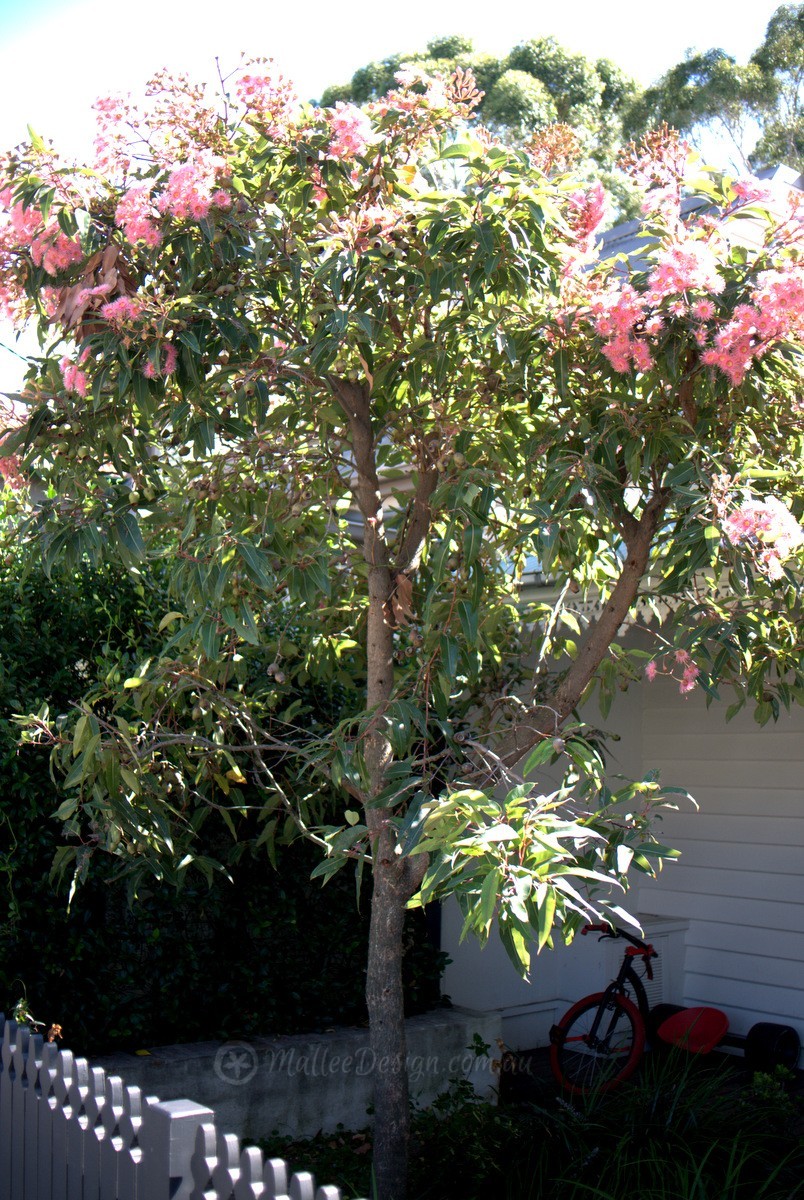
x=309 y=1082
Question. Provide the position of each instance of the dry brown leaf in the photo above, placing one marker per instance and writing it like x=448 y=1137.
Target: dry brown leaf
x=402 y=600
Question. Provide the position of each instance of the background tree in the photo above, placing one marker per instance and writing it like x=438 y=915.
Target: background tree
x=282 y=358
x=536 y=84
x=759 y=105
x=265 y=951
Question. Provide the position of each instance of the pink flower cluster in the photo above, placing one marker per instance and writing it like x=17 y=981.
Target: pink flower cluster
x=680 y=658
x=350 y=130
x=12 y=417
x=192 y=189
x=616 y=315
x=10 y=473
x=75 y=380
x=775 y=313
x=751 y=191
x=585 y=212
x=24 y=228
x=659 y=165
x=169 y=358
x=687 y=266
x=113 y=115
x=271 y=99
x=137 y=216
x=418 y=115
x=122 y=311
x=769 y=528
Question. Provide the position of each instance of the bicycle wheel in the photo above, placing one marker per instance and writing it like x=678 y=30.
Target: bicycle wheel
x=584 y=1061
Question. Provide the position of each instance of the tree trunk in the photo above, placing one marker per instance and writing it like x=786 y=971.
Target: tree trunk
x=395 y=879
x=387 y=1033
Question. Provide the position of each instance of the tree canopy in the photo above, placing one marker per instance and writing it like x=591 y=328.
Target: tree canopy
x=346 y=374
x=759 y=105
x=538 y=83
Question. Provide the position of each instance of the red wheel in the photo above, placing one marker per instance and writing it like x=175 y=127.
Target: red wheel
x=597 y=1044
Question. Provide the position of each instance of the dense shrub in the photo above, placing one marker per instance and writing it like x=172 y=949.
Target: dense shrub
x=683 y=1128
x=270 y=952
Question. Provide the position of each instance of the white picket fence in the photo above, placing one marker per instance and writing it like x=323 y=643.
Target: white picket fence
x=69 y=1131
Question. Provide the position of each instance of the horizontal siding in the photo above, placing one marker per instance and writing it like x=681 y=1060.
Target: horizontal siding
x=758 y=830
x=740 y=878
x=749 y=996
x=753 y=916
x=727 y=964
x=738 y=885
x=778 y=944
x=747 y=802
x=726 y=746
x=744 y=772
x=738 y=856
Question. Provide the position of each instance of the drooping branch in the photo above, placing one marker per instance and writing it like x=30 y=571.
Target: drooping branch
x=546 y=719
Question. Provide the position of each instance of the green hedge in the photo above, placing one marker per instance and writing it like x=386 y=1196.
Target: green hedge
x=271 y=952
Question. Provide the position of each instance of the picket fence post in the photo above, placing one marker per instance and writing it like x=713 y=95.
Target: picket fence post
x=69 y=1131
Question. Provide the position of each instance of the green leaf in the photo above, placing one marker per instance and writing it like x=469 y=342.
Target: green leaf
x=130 y=779
x=545 y=915
x=128 y=531
x=561 y=373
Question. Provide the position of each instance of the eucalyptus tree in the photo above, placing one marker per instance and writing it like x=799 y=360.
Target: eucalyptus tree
x=537 y=84
x=758 y=105
x=344 y=404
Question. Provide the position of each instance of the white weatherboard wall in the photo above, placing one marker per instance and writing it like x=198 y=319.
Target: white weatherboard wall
x=740 y=879
x=728 y=917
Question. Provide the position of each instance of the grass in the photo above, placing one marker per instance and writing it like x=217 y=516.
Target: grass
x=683 y=1130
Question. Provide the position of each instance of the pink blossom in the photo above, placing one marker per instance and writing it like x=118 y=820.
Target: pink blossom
x=775 y=314
x=651 y=671
x=641 y=355
x=171 y=358
x=616 y=313
x=703 y=310
x=270 y=99
x=684 y=268
x=168 y=355
x=769 y=529
x=751 y=191
x=10 y=473
x=74 y=378
x=58 y=251
x=681 y=656
x=136 y=216
x=192 y=189
x=113 y=116
x=586 y=210
x=691 y=673
x=86 y=294
x=119 y=312
x=659 y=165
x=350 y=131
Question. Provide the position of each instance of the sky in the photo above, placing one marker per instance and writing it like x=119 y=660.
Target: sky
x=58 y=56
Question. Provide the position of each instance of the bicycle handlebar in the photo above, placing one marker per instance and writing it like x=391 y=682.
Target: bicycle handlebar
x=614 y=931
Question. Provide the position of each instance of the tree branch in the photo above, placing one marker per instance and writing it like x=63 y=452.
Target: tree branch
x=417 y=524
x=546 y=718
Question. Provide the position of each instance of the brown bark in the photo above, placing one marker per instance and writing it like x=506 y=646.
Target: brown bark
x=548 y=717
x=395 y=879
